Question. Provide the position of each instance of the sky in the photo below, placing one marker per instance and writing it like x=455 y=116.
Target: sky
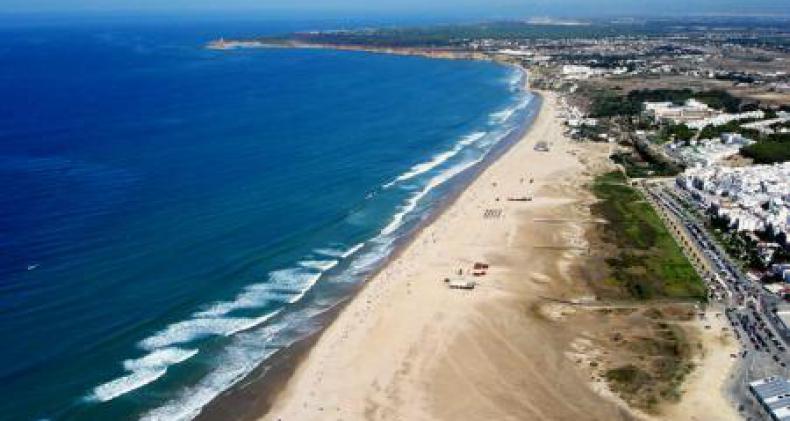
x=482 y=8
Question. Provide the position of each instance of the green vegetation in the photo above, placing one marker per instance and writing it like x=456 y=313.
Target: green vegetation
x=641 y=162
x=676 y=132
x=673 y=132
x=743 y=247
x=648 y=262
x=712 y=132
x=591 y=132
x=718 y=99
x=661 y=364
x=771 y=149
x=738 y=246
x=628 y=378
x=457 y=35
x=640 y=165
x=608 y=103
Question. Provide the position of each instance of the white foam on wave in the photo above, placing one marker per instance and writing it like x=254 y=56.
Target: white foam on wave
x=123 y=385
x=472 y=138
x=436 y=160
x=355 y=248
x=160 y=358
x=143 y=371
x=367 y=261
x=252 y=297
x=329 y=252
x=237 y=361
x=283 y=286
x=339 y=253
x=516 y=80
x=198 y=328
x=502 y=116
x=413 y=201
x=319 y=265
x=294 y=280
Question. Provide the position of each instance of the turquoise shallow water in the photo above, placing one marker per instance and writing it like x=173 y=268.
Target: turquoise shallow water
x=172 y=216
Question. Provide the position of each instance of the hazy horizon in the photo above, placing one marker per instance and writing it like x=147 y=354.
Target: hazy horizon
x=457 y=8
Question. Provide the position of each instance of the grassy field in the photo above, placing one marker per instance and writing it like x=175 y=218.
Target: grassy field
x=660 y=363
x=640 y=165
x=648 y=263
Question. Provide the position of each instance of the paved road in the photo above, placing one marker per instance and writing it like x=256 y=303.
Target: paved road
x=747 y=306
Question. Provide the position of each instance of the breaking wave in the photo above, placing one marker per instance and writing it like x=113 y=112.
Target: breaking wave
x=143 y=371
x=437 y=159
x=252 y=338
x=194 y=329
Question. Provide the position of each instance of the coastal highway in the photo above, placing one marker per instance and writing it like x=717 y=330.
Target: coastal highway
x=749 y=309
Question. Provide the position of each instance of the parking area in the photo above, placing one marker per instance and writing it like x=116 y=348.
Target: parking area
x=750 y=310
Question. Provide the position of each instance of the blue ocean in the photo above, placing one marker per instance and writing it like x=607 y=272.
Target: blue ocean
x=172 y=216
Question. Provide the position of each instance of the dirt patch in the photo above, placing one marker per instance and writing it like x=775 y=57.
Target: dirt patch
x=640 y=354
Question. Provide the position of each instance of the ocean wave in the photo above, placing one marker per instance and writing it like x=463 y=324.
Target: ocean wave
x=243 y=355
x=411 y=203
x=370 y=259
x=352 y=250
x=293 y=280
x=194 y=329
x=160 y=358
x=471 y=138
x=516 y=80
x=252 y=347
x=123 y=385
x=283 y=286
x=143 y=370
x=252 y=297
x=436 y=160
x=319 y=265
x=339 y=253
x=504 y=115
x=237 y=361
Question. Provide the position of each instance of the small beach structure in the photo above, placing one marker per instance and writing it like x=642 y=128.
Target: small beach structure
x=542 y=146
x=460 y=283
x=492 y=214
x=479 y=269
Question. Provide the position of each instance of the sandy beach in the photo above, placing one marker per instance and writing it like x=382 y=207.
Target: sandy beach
x=407 y=347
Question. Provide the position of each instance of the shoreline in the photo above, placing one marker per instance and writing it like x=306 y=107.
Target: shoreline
x=329 y=374
x=435 y=53
x=254 y=394
x=369 y=313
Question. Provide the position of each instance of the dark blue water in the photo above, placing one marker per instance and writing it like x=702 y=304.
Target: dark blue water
x=170 y=216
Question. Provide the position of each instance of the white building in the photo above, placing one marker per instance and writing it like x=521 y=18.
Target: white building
x=687 y=113
x=706 y=152
x=750 y=199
